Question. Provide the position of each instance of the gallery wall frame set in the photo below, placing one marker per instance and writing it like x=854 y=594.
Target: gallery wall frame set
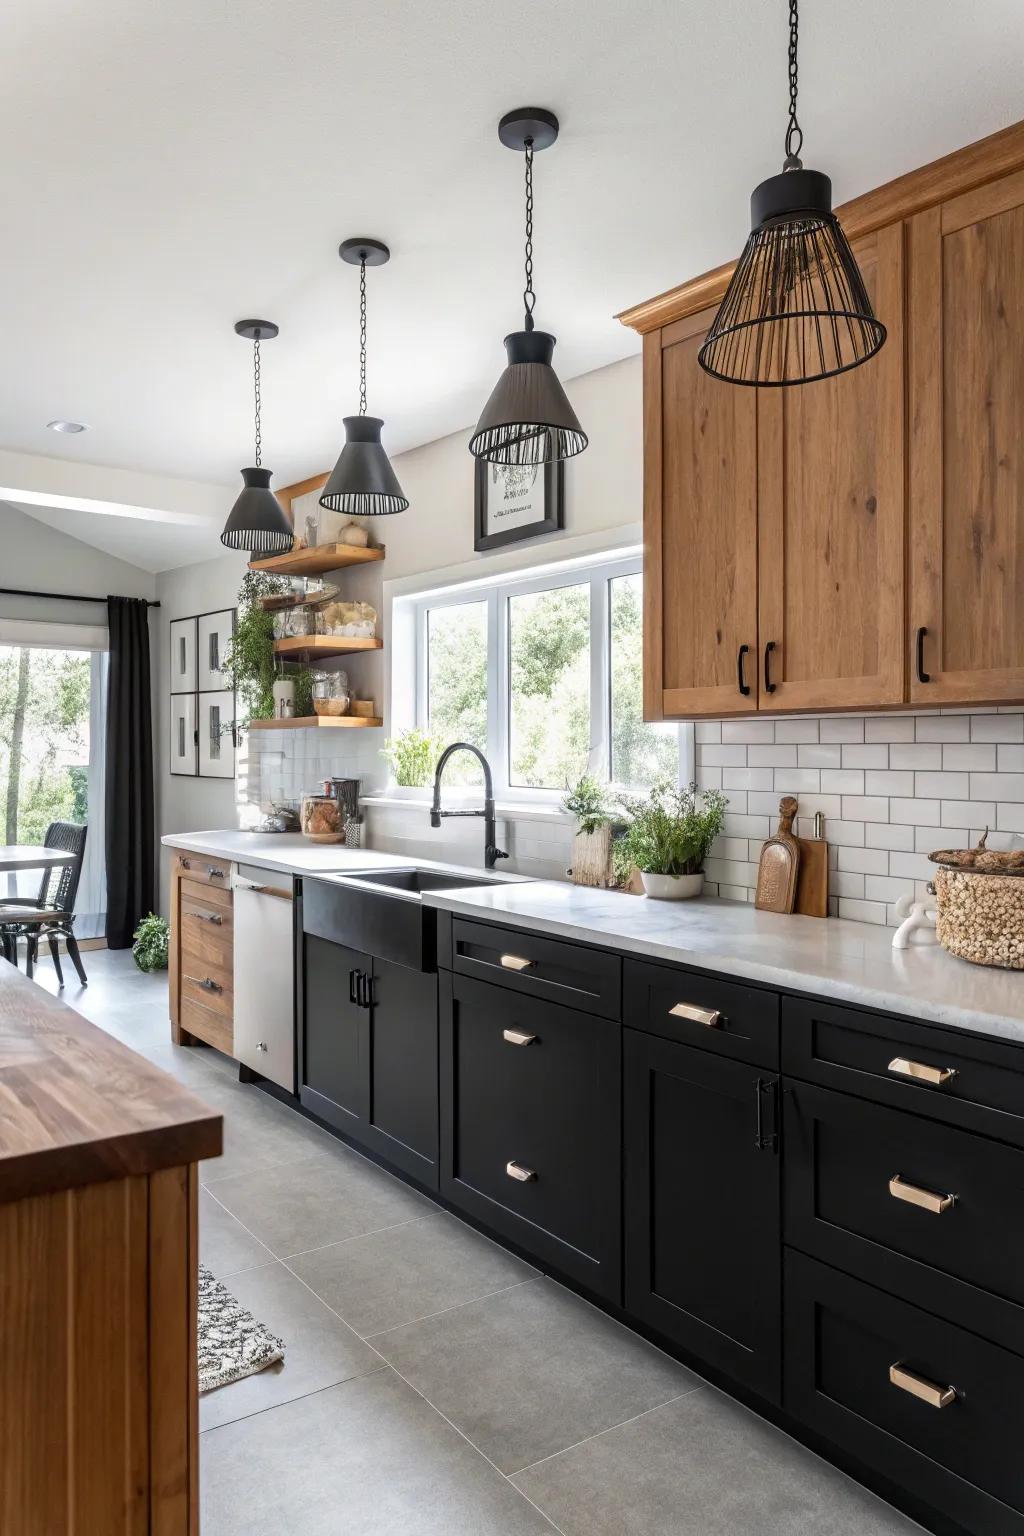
x=513 y=502
x=202 y=734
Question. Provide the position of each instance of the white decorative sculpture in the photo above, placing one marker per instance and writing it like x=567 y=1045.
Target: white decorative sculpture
x=913 y=915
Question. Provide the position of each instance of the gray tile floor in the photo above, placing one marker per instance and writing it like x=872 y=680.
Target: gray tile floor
x=433 y=1384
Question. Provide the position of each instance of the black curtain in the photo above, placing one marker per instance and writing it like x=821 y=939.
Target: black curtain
x=129 y=773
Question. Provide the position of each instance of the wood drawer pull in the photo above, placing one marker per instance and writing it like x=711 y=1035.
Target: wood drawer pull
x=515 y=963
x=518 y=1171
x=709 y=1016
x=919 y=1386
x=913 y=1194
x=518 y=1037
x=214 y=873
x=206 y=982
x=921 y=1072
x=207 y=917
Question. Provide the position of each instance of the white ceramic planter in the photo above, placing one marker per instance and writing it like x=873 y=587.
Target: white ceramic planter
x=672 y=887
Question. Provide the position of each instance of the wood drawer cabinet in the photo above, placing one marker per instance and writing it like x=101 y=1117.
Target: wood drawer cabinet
x=703 y=1011
x=702 y=1240
x=962 y=1079
x=946 y=1429
x=548 y=969
x=201 y=952
x=203 y=870
x=530 y=1126
x=919 y=1208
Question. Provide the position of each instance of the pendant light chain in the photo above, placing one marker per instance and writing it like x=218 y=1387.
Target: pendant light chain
x=794 y=133
x=362 y=337
x=529 y=297
x=256 y=393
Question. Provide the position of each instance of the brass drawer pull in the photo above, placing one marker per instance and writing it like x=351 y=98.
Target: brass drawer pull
x=919 y=1386
x=913 y=1194
x=518 y=1171
x=207 y=917
x=206 y=982
x=518 y=1037
x=515 y=963
x=709 y=1016
x=214 y=874
x=921 y=1072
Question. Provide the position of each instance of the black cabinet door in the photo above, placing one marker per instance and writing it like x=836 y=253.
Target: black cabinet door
x=702 y=1205
x=334 y=1059
x=402 y=1094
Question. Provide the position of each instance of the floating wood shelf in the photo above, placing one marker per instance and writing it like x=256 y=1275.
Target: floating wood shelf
x=275 y=600
x=316 y=561
x=298 y=647
x=309 y=722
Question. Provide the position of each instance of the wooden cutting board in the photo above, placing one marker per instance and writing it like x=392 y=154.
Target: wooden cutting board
x=812 y=877
x=778 y=869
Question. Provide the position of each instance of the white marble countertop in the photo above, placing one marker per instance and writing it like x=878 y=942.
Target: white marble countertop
x=293 y=854
x=830 y=957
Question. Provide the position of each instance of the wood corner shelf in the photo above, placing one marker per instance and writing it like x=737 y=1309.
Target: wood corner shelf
x=303 y=647
x=318 y=560
x=311 y=722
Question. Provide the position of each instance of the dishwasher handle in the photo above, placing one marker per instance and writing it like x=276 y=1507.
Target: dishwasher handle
x=240 y=883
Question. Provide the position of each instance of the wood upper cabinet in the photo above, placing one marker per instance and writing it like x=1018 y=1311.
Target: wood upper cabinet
x=700 y=532
x=831 y=517
x=966 y=362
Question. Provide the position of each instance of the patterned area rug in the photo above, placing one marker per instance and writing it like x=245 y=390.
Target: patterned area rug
x=232 y=1344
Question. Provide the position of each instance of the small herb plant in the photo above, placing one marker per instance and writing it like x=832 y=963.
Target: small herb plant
x=150 y=947
x=586 y=801
x=411 y=756
x=670 y=830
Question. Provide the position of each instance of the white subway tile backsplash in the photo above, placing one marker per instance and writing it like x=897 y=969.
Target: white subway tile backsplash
x=721 y=756
x=771 y=757
x=845 y=883
x=883 y=834
x=790 y=781
x=748 y=732
x=864 y=861
x=997 y=727
x=840 y=728
x=843 y=781
x=737 y=825
x=913 y=866
x=961 y=813
x=1010 y=818
x=869 y=754
x=1011 y=760
x=915 y=754
x=844 y=834
x=889 y=728
x=708 y=778
x=888 y=781
x=942 y=728
x=915 y=813
x=886 y=888
x=863 y=911
x=796 y=730
x=821 y=755
x=941 y=786
x=865 y=808
x=997 y=786
x=747 y=778
x=977 y=755
x=928 y=838
x=707 y=730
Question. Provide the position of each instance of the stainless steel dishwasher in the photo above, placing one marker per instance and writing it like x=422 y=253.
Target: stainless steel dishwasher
x=264 y=973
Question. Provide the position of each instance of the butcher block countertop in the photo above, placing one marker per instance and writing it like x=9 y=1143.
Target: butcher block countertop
x=77 y=1107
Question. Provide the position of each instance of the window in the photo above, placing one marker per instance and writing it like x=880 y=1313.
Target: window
x=544 y=674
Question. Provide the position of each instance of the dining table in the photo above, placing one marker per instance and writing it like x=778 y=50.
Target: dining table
x=14 y=857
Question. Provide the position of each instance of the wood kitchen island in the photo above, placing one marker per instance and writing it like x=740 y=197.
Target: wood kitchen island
x=98 y=1278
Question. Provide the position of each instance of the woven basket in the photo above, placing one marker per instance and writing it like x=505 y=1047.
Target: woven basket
x=980 y=917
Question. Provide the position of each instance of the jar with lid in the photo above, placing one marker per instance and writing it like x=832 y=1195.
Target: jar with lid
x=331 y=694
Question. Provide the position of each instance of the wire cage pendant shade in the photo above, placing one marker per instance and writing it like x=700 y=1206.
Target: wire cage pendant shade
x=362 y=482
x=528 y=419
x=796 y=309
x=257 y=521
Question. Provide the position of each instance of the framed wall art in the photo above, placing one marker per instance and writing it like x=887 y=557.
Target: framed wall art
x=513 y=502
x=183 y=655
x=184 y=746
x=202 y=702
x=216 y=746
x=214 y=633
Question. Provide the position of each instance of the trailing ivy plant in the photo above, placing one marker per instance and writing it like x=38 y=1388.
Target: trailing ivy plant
x=250 y=659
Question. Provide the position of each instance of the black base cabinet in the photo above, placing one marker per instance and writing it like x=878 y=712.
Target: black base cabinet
x=368 y=1053
x=702 y=1206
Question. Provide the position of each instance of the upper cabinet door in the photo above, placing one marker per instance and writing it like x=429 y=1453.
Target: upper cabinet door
x=700 y=532
x=966 y=359
x=831 y=520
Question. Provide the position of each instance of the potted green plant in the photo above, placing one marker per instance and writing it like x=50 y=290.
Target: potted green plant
x=411 y=756
x=592 y=844
x=251 y=662
x=151 y=941
x=668 y=837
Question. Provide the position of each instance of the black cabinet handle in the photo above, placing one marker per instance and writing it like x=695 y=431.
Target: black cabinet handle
x=769 y=686
x=766 y=1140
x=352 y=986
x=922 y=675
x=741 y=685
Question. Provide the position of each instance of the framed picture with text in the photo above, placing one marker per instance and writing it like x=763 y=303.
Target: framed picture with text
x=517 y=501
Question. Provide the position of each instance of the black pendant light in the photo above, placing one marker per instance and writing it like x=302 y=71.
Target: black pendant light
x=362 y=482
x=796 y=309
x=528 y=419
x=257 y=521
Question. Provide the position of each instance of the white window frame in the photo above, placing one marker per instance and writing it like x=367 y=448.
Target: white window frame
x=598 y=574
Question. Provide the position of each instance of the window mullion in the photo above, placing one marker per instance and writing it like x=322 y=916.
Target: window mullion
x=600 y=679
x=497 y=689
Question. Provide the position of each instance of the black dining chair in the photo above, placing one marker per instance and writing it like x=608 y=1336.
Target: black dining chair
x=51 y=915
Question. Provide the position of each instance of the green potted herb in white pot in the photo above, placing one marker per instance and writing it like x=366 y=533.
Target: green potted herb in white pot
x=668 y=837
x=412 y=756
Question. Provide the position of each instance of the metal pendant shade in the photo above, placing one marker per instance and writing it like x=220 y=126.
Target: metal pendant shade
x=796 y=309
x=257 y=522
x=528 y=418
x=363 y=483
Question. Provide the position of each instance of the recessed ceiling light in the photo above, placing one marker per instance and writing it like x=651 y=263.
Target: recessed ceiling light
x=66 y=426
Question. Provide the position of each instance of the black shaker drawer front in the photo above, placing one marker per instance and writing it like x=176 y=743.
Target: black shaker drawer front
x=963 y=1079
x=548 y=969
x=924 y=1209
x=696 y=1009
x=530 y=1110
x=929 y=1405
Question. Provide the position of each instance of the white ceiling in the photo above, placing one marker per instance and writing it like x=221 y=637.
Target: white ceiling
x=171 y=168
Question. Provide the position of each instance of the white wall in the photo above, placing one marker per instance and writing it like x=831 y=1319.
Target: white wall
x=44 y=560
